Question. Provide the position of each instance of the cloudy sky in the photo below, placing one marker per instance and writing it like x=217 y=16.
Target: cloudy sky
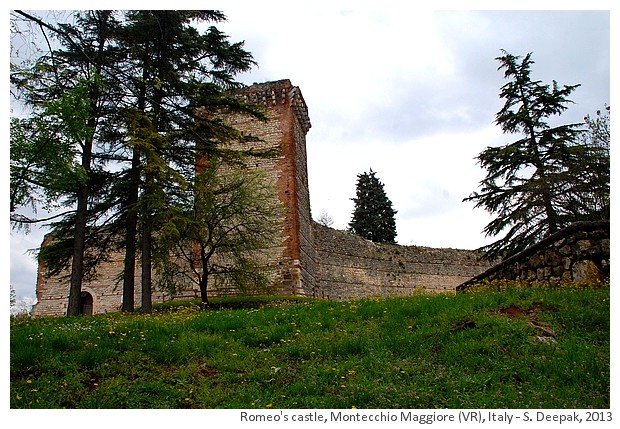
x=409 y=92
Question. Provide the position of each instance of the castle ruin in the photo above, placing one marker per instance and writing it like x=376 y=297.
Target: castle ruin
x=313 y=260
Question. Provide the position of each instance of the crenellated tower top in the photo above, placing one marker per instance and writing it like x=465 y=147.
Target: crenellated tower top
x=278 y=93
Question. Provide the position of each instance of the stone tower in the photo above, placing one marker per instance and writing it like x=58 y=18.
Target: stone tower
x=285 y=130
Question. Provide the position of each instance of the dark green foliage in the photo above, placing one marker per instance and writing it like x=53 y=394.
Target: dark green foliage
x=550 y=177
x=373 y=215
x=121 y=107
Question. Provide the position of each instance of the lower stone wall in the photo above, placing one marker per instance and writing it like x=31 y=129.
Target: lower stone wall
x=578 y=253
x=347 y=266
x=342 y=266
x=105 y=289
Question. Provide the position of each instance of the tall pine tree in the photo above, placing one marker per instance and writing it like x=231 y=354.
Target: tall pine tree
x=69 y=85
x=373 y=216
x=143 y=76
x=176 y=71
x=535 y=185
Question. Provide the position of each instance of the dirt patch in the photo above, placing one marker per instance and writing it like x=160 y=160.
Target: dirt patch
x=206 y=371
x=544 y=333
x=512 y=312
x=468 y=324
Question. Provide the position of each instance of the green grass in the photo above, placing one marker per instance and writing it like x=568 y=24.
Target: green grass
x=420 y=352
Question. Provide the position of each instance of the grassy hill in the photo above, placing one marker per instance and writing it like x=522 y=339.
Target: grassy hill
x=520 y=348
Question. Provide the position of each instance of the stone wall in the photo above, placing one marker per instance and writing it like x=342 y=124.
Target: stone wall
x=105 y=289
x=349 y=266
x=578 y=253
x=286 y=127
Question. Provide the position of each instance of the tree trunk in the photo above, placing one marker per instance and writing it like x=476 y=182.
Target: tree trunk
x=147 y=230
x=81 y=217
x=79 y=245
x=204 y=300
x=147 y=302
x=130 y=240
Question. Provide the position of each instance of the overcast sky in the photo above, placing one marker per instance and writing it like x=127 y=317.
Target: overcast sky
x=411 y=93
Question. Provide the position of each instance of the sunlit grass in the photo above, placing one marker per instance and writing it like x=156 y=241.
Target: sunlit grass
x=425 y=351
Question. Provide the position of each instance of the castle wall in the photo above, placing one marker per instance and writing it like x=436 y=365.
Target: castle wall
x=105 y=289
x=349 y=266
x=291 y=263
x=286 y=128
x=306 y=265
x=311 y=260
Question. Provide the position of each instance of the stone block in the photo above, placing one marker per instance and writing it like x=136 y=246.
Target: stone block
x=565 y=250
x=604 y=243
x=552 y=257
x=582 y=246
x=586 y=271
x=535 y=261
x=567 y=263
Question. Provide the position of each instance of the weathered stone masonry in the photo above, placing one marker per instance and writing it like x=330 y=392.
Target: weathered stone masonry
x=286 y=128
x=104 y=292
x=350 y=267
x=578 y=253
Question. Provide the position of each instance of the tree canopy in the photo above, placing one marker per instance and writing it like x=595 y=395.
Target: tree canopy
x=120 y=104
x=549 y=177
x=373 y=215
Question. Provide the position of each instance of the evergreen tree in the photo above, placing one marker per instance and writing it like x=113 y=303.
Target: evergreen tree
x=65 y=92
x=176 y=71
x=534 y=186
x=373 y=215
x=146 y=89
